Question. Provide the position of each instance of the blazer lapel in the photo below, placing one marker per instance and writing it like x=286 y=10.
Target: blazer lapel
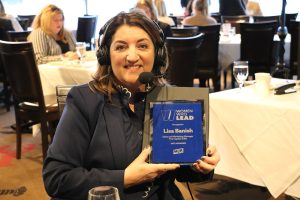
x=114 y=122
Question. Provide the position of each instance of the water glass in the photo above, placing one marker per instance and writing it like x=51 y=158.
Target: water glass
x=240 y=72
x=81 y=51
x=104 y=193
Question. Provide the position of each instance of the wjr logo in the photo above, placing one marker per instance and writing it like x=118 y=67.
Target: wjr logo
x=178 y=151
x=168 y=115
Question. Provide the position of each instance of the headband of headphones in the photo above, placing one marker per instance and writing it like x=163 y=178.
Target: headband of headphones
x=107 y=25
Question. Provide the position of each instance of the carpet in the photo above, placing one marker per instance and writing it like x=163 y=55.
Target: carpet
x=21 y=179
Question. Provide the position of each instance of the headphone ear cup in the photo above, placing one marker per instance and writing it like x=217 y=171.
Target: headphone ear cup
x=103 y=56
x=160 y=60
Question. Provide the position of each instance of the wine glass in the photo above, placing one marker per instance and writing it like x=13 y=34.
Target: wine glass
x=81 y=51
x=104 y=193
x=240 y=72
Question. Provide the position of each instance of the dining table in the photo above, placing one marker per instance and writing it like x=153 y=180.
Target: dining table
x=67 y=72
x=258 y=137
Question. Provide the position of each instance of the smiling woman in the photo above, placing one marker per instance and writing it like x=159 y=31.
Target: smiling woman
x=131 y=56
x=103 y=120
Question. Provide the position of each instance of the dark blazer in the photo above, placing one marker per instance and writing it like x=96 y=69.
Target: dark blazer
x=184 y=3
x=89 y=150
x=232 y=7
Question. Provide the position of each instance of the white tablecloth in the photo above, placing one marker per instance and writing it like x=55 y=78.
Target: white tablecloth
x=258 y=138
x=65 y=73
x=229 y=49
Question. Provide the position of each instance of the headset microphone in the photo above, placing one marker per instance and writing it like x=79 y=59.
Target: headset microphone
x=147 y=79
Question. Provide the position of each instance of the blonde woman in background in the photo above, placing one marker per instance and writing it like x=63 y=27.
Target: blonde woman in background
x=162 y=12
x=200 y=15
x=14 y=22
x=51 y=41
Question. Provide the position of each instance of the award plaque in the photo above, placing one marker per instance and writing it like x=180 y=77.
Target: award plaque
x=176 y=127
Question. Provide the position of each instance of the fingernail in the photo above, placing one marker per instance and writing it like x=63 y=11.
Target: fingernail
x=198 y=161
x=208 y=152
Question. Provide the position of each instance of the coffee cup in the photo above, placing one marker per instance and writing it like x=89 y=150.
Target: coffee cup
x=262 y=83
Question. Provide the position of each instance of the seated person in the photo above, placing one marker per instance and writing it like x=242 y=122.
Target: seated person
x=162 y=13
x=51 y=41
x=150 y=10
x=187 y=7
x=200 y=15
x=15 y=24
x=98 y=140
x=253 y=8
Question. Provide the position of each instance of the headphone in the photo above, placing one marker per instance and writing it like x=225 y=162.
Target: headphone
x=103 y=56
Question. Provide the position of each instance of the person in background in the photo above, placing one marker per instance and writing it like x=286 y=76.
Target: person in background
x=253 y=8
x=233 y=7
x=162 y=12
x=150 y=10
x=187 y=7
x=51 y=41
x=98 y=140
x=15 y=24
x=200 y=15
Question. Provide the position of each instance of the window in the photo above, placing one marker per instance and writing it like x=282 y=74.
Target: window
x=107 y=9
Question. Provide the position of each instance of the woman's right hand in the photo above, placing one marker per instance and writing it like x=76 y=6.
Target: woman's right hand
x=139 y=171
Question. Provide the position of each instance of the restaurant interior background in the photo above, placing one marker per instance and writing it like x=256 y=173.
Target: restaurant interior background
x=106 y=9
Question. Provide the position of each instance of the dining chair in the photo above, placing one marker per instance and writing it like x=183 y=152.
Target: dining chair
x=5 y=25
x=257 y=42
x=207 y=57
x=216 y=16
x=30 y=105
x=61 y=96
x=290 y=17
x=186 y=31
x=182 y=54
x=25 y=20
x=17 y=36
x=86 y=30
x=5 y=94
x=235 y=21
x=267 y=19
x=294 y=49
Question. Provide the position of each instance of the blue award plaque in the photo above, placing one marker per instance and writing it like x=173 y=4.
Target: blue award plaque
x=177 y=131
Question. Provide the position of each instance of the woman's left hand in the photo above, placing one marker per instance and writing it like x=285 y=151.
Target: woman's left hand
x=207 y=163
x=70 y=55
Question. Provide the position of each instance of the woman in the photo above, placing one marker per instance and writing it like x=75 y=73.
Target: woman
x=150 y=10
x=200 y=15
x=51 y=41
x=98 y=140
x=15 y=24
x=162 y=13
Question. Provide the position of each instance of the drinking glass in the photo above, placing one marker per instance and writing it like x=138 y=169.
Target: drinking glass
x=240 y=72
x=81 y=51
x=104 y=193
